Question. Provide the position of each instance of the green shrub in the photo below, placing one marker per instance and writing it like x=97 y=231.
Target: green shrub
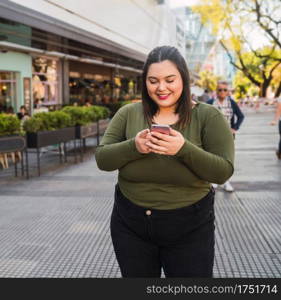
x=105 y=112
x=79 y=115
x=85 y=115
x=101 y=112
x=47 y=121
x=68 y=116
x=46 y=118
x=60 y=119
x=33 y=125
x=9 y=125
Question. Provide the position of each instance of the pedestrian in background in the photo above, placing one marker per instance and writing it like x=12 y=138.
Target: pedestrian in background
x=23 y=114
x=231 y=112
x=205 y=96
x=163 y=214
x=274 y=121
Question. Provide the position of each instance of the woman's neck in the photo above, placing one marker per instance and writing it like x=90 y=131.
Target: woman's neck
x=166 y=116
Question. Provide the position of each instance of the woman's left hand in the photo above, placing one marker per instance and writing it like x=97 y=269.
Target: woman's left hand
x=165 y=144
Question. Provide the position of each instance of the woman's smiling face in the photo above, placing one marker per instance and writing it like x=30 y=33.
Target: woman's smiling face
x=164 y=84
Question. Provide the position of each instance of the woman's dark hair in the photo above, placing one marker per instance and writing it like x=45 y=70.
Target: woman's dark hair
x=184 y=104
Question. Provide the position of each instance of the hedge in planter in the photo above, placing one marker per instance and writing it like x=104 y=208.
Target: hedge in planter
x=49 y=128
x=48 y=121
x=102 y=113
x=86 y=115
x=9 y=125
x=79 y=115
x=10 y=139
x=85 y=119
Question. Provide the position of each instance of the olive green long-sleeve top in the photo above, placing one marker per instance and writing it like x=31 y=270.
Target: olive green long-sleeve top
x=163 y=181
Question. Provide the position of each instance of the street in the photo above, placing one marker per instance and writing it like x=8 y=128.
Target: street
x=57 y=225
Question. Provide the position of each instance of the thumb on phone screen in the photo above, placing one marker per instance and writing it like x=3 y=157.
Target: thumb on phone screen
x=173 y=132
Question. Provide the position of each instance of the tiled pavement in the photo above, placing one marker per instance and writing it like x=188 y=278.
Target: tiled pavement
x=57 y=225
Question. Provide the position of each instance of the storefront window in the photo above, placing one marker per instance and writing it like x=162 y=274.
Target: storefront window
x=94 y=88
x=45 y=81
x=100 y=85
x=117 y=87
x=8 y=91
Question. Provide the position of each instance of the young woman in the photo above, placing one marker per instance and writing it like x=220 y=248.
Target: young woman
x=163 y=214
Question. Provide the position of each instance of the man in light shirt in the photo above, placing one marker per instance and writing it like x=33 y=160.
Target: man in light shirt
x=231 y=112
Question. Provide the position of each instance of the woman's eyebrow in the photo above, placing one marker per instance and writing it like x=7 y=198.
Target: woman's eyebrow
x=152 y=77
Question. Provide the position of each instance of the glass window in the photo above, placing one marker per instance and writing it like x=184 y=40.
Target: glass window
x=8 y=91
x=45 y=81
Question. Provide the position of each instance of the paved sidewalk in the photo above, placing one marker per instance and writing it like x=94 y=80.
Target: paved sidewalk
x=57 y=225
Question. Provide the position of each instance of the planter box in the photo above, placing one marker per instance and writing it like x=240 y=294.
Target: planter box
x=47 y=138
x=12 y=143
x=85 y=131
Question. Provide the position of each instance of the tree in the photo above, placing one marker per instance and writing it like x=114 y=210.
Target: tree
x=234 y=22
x=267 y=14
x=263 y=72
x=260 y=72
x=208 y=80
x=243 y=86
x=276 y=84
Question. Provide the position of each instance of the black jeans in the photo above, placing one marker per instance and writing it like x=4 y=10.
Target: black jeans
x=181 y=241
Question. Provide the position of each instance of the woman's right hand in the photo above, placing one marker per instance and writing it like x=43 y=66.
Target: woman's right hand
x=141 y=140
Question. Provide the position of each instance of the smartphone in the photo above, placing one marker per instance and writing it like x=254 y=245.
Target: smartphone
x=165 y=129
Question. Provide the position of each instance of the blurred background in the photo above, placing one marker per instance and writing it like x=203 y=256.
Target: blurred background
x=56 y=53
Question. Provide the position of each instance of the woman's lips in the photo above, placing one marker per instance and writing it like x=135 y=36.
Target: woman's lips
x=163 y=97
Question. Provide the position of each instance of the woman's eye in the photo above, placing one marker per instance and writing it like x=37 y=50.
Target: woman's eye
x=170 y=81
x=153 y=82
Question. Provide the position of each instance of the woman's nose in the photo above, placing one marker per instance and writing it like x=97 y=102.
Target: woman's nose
x=161 y=86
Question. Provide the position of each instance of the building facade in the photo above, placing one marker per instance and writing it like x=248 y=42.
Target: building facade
x=218 y=63
x=203 y=51
x=58 y=52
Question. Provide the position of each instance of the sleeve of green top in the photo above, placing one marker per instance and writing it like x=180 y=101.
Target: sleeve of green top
x=213 y=163
x=115 y=151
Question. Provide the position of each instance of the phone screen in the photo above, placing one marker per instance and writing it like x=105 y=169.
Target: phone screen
x=165 y=129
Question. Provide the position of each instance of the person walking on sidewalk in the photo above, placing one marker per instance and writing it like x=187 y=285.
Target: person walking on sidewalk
x=205 y=96
x=163 y=213
x=231 y=112
x=274 y=121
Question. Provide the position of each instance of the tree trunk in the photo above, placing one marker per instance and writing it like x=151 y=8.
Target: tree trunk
x=264 y=86
x=278 y=91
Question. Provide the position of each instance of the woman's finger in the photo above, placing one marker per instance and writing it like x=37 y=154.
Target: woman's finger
x=158 y=141
x=156 y=147
x=161 y=136
x=173 y=132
